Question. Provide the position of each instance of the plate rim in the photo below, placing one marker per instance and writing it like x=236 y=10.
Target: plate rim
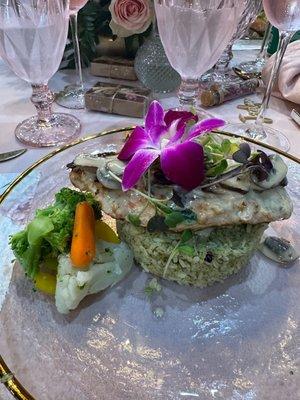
x=6 y=376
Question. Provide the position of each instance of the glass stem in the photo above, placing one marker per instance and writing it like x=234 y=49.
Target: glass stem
x=265 y=42
x=42 y=98
x=284 y=40
x=74 y=30
x=188 y=93
x=224 y=60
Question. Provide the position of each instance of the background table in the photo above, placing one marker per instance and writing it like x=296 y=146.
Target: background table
x=15 y=106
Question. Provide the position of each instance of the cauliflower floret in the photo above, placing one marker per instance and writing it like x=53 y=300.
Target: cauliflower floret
x=111 y=264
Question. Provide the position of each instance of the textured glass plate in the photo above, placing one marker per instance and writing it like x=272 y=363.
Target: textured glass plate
x=237 y=340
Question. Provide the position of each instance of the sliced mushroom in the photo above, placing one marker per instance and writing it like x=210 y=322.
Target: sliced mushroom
x=111 y=164
x=239 y=184
x=89 y=160
x=276 y=176
x=279 y=250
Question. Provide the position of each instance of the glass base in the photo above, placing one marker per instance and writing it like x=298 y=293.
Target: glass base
x=71 y=97
x=215 y=78
x=60 y=129
x=251 y=69
x=262 y=133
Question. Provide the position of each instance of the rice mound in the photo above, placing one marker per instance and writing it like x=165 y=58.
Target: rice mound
x=219 y=252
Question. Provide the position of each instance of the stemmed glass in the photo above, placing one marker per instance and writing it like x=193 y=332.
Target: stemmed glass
x=194 y=34
x=33 y=35
x=219 y=74
x=72 y=96
x=285 y=16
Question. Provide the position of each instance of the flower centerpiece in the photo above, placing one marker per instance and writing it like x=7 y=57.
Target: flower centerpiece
x=127 y=19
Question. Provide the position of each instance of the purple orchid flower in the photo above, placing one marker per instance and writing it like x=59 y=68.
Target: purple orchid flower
x=165 y=136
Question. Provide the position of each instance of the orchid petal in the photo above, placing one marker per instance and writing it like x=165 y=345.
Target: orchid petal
x=183 y=116
x=183 y=164
x=138 y=139
x=176 y=131
x=156 y=132
x=155 y=116
x=137 y=166
x=206 y=125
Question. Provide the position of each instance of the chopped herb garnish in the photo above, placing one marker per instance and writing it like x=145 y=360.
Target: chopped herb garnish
x=186 y=249
x=152 y=287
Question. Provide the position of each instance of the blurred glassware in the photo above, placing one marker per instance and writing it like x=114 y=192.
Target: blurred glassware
x=194 y=35
x=72 y=96
x=220 y=72
x=152 y=66
x=33 y=36
x=285 y=16
x=253 y=69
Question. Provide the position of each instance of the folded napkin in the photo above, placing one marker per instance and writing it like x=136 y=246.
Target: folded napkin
x=288 y=84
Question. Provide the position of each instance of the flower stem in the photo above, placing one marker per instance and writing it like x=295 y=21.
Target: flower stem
x=150 y=199
x=173 y=253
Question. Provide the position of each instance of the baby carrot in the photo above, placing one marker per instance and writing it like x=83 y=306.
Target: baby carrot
x=83 y=247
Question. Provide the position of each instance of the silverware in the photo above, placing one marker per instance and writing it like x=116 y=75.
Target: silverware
x=11 y=154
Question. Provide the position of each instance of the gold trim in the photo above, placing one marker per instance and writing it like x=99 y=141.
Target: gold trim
x=12 y=384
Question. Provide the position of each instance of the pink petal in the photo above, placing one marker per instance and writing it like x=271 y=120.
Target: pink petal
x=137 y=140
x=137 y=166
x=184 y=116
x=176 y=131
x=156 y=132
x=155 y=116
x=183 y=164
x=205 y=126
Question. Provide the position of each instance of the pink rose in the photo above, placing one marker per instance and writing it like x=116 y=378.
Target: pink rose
x=130 y=16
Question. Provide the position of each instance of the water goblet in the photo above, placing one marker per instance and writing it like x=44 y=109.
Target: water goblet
x=33 y=35
x=72 y=96
x=194 y=34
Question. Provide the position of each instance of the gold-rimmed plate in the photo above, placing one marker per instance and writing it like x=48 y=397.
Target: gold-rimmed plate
x=236 y=340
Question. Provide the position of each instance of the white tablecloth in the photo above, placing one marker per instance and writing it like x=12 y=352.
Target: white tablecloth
x=15 y=106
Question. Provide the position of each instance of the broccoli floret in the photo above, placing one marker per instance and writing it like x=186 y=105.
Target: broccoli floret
x=50 y=233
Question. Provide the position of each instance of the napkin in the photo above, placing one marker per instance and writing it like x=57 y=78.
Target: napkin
x=288 y=84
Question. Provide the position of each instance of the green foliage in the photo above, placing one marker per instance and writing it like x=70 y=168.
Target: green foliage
x=93 y=21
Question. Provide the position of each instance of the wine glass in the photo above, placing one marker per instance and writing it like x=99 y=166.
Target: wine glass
x=285 y=16
x=194 y=34
x=73 y=95
x=219 y=73
x=33 y=35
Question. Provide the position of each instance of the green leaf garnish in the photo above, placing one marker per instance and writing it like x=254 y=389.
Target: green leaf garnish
x=186 y=249
x=157 y=224
x=134 y=219
x=173 y=219
x=186 y=236
x=218 y=169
